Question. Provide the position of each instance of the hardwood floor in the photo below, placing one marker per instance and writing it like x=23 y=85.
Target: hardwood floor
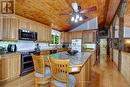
x=24 y=81
x=107 y=75
x=102 y=75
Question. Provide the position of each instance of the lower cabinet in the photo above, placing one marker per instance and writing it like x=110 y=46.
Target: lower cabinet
x=9 y=66
x=115 y=56
x=125 y=66
x=83 y=77
x=93 y=58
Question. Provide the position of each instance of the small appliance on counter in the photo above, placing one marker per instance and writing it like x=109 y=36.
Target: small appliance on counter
x=2 y=50
x=65 y=45
x=12 y=48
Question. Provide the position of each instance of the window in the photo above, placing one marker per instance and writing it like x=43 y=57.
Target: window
x=55 y=37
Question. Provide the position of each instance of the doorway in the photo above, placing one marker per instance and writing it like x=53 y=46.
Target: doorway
x=103 y=50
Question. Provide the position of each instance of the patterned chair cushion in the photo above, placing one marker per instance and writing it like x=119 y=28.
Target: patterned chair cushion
x=72 y=82
x=47 y=73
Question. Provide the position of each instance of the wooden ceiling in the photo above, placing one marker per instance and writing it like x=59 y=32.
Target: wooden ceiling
x=113 y=5
x=127 y=15
x=47 y=11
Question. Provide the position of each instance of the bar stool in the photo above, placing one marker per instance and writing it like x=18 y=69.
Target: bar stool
x=60 y=76
x=42 y=73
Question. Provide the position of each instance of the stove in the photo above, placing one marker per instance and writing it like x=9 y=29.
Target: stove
x=26 y=62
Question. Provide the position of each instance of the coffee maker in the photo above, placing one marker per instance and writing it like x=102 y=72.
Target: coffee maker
x=12 y=48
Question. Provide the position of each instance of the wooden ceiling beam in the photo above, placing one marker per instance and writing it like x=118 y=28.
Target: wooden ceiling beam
x=113 y=21
x=106 y=11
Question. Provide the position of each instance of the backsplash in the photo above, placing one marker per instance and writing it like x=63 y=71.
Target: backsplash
x=24 y=45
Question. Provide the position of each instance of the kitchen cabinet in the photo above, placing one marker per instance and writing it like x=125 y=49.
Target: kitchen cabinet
x=125 y=66
x=89 y=36
x=6 y=28
x=1 y=28
x=77 y=35
x=24 y=23
x=10 y=66
x=10 y=29
x=33 y=26
x=48 y=32
x=115 y=57
x=44 y=33
x=13 y=34
x=83 y=77
x=40 y=33
x=45 y=52
x=69 y=37
x=66 y=37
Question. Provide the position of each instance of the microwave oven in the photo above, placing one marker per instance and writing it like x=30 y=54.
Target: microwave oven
x=27 y=35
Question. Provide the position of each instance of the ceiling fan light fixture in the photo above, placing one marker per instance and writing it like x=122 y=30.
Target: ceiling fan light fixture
x=72 y=18
x=75 y=20
x=77 y=16
x=80 y=18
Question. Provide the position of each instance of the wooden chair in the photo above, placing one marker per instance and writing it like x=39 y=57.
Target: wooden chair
x=42 y=73
x=60 y=76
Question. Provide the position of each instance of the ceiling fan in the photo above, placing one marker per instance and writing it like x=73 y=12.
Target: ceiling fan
x=77 y=13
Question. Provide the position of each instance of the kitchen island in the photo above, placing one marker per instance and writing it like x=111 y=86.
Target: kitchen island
x=80 y=66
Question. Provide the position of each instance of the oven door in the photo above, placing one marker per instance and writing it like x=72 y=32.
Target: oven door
x=26 y=64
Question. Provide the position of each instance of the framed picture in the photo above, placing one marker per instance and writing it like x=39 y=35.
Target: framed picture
x=7 y=7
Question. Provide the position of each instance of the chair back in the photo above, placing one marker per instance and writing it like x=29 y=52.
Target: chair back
x=59 y=69
x=39 y=65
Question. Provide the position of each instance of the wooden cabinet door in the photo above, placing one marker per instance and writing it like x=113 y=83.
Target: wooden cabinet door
x=10 y=66
x=125 y=64
x=77 y=35
x=48 y=34
x=90 y=40
x=94 y=36
x=40 y=32
x=15 y=62
x=24 y=23
x=33 y=26
x=45 y=34
x=6 y=28
x=1 y=28
x=70 y=37
x=10 y=29
x=89 y=36
x=13 y=34
x=62 y=37
x=5 y=68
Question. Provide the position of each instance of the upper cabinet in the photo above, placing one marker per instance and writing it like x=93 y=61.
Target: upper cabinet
x=89 y=36
x=86 y=36
x=6 y=28
x=1 y=28
x=10 y=29
x=77 y=35
x=65 y=37
x=24 y=23
x=10 y=26
x=44 y=33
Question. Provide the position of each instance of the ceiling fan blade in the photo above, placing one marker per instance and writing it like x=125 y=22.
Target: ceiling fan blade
x=65 y=14
x=93 y=8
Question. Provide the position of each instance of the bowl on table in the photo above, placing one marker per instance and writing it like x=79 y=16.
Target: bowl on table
x=72 y=52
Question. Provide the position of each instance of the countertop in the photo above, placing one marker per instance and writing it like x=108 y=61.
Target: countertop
x=77 y=60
